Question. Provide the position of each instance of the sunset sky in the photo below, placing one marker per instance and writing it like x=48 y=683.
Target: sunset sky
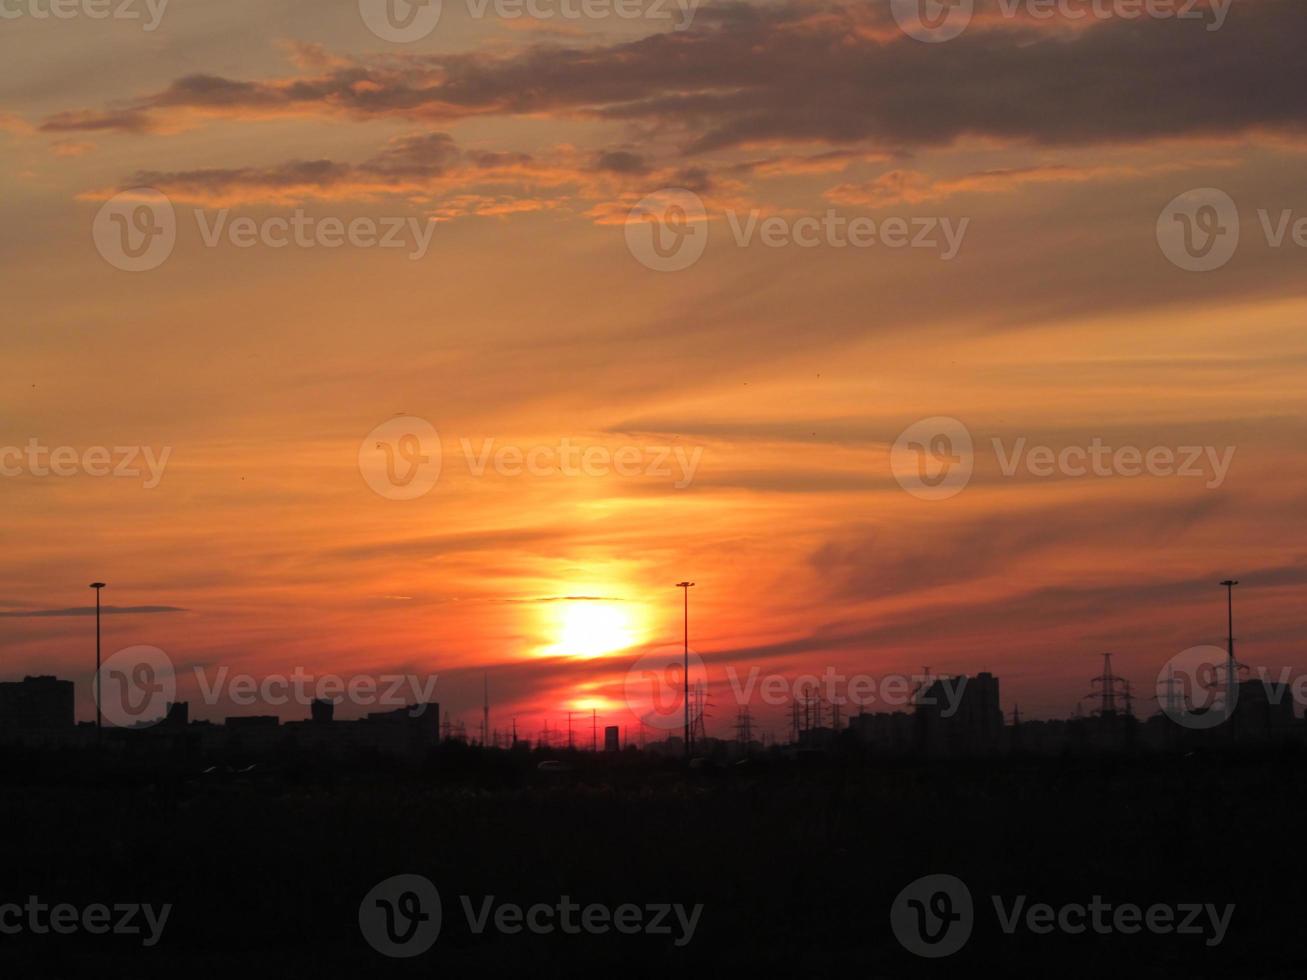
x=757 y=393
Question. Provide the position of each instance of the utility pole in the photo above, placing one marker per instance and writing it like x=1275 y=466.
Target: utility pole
x=687 y=586
x=97 y=586
x=485 y=709
x=1231 y=667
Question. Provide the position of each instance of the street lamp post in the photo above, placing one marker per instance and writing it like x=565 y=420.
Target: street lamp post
x=96 y=689
x=687 y=586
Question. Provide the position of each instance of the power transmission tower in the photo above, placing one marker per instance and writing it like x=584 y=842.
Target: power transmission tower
x=1107 y=687
x=698 y=729
x=1172 y=703
x=744 y=728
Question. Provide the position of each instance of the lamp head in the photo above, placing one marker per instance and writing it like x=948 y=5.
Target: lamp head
x=97 y=585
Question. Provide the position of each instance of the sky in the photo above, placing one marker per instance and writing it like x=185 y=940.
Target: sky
x=489 y=452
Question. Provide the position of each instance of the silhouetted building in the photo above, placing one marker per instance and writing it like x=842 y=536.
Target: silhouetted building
x=245 y=722
x=323 y=711
x=816 y=738
x=1263 y=710
x=1052 y=737
x=884 y=731
x=179 y=714
x=423 y=720
x=37 y=703
x=612 y=738
x=960 y=716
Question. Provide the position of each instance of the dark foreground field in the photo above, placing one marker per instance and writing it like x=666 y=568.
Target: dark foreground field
x=796 y=863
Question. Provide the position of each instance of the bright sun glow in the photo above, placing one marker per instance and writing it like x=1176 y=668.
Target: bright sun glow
x=592 y=629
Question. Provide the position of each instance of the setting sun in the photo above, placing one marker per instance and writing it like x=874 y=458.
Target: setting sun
x=592 y=629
